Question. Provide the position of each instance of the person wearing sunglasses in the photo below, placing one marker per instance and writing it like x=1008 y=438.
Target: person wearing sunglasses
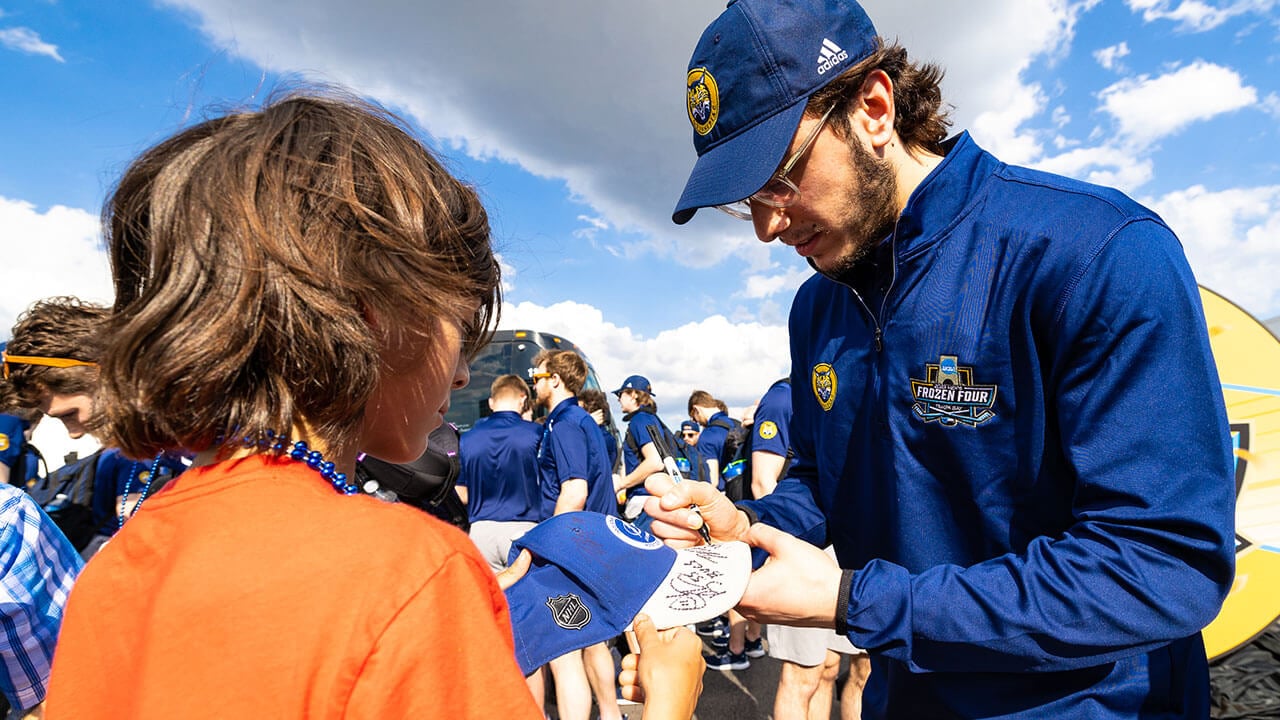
x=1007 y=418
x=51 y=365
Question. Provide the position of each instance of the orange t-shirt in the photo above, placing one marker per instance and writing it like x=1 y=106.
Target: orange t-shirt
x=252 y=588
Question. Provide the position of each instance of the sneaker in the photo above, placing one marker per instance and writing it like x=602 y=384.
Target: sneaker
x=711 y=627
x=719 y=642
x=725 y=660
x=755 y=648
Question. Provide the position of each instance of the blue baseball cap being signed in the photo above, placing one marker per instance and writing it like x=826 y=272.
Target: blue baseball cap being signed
x=593 y=573
x=749 y=81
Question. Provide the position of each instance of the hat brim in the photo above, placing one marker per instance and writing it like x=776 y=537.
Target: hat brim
x=705 y=581
x=739 y=166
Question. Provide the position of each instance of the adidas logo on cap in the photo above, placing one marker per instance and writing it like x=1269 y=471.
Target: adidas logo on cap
x=830 y=55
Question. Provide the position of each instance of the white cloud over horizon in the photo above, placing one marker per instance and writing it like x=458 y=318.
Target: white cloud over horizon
x=70 y=260
x=736 y=362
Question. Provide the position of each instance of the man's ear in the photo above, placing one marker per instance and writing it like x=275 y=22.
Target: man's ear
x=490 y=404
x=875 y=114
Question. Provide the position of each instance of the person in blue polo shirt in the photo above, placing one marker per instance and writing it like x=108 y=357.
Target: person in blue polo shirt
x=640 y=458
x=19 y=459
x=499 y=474
x=574 y=471
x=711 y=412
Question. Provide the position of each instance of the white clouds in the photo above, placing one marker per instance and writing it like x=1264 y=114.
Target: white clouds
x=1230 y=239
x=759 y=286
x=26 y=40
x=1196 y=15
x=734 y=361
x=1147 y=109
x=1102 y=165
x=69 y=260
x=592 y=93
x=1109 y=57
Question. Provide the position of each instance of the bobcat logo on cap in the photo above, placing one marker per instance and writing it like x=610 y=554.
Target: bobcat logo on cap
x=569 y=612
x=704 y=100
x=824 y=385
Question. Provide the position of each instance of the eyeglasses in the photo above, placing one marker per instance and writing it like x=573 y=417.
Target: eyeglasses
x=688 y=433
x=536 y=376
x=6 y=359
x=780 y=191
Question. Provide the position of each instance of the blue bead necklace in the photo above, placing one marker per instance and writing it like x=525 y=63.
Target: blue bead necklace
x=316 y=461
x=300 y=451
x=151 y=477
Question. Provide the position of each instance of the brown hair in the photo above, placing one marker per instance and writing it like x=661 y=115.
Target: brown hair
x=702 y=398
x=56 y=327
x=270 y=265
x=592 y=400
x=568 y=364
x=644 y=399
x=511 y=386
x=920 y=117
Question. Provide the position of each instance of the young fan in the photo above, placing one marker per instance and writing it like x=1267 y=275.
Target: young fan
x=293 y=286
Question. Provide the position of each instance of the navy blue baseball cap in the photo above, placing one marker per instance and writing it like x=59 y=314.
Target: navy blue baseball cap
x=690 y=425
x=635 y=382
x=749 y=81
x=592 y=574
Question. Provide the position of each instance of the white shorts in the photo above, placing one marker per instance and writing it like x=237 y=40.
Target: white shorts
x=494 y=539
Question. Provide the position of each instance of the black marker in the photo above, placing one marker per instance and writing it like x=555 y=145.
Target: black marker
x=669 y=462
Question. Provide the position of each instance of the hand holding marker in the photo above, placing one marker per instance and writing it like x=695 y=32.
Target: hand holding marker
x=669 y=462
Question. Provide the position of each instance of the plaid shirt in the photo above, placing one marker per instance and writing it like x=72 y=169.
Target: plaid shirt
x=38 y=566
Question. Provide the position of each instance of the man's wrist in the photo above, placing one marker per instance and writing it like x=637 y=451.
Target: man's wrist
x=843 y=598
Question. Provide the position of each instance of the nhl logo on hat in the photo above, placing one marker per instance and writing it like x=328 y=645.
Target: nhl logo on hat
x=569 y=612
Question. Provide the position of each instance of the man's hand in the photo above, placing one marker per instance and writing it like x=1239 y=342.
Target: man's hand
x=676 y=522
x=669 y=664
x=798 y=585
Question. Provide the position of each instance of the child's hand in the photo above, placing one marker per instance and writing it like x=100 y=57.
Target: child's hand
x=666 y=668
x=515 y=571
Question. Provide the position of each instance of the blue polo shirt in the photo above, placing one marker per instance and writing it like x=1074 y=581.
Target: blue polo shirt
x=711 y=442
x=572 y=447
x=117 y=475
x=638 y=424
x=499 y=457
x=770 y=431
x=13 y=447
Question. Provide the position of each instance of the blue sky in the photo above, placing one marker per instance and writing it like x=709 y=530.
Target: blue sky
x=569 y=117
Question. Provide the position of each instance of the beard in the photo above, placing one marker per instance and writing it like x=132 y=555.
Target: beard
x=874 y=200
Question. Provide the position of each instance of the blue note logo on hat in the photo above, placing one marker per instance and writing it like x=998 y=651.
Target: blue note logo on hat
x=593 y=573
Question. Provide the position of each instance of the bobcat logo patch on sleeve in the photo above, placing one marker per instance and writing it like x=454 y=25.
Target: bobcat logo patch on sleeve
x=824 y=385
x=949 y=397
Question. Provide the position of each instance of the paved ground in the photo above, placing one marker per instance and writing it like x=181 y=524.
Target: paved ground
x=733 y=695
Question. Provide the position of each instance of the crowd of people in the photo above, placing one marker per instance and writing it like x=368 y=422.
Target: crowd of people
x=975 y=480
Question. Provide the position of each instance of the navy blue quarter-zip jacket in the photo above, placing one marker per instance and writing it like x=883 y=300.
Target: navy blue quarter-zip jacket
x=1009 y=424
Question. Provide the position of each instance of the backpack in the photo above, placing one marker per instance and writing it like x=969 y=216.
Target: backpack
x=66 y=495
x=18 y=473
x=735 y=459
x=426 y=483
x=687 y=459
